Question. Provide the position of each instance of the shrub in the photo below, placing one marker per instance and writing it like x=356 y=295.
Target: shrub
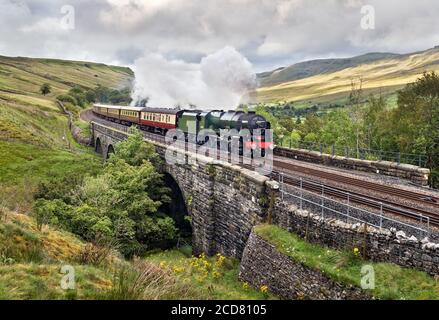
x=45 y=89
x=45 y=212
x=97 y=252
x=68 y=99
x=145 y=280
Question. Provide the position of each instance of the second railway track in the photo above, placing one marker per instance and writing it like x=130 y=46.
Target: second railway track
x=387 y=206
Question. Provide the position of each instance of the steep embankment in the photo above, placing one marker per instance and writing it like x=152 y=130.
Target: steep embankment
x=330 y=80
x=35 y=145
x=35 y=142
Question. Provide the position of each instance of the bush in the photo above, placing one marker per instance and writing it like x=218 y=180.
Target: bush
x=45 y=89
x=90 y=96
x=122 y=203
x=45 y=212
x=59 y=187
x=68 y=99
x=97 y=252
x=147 y=281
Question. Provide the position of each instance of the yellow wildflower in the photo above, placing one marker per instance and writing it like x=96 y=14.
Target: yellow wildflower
x=264 y=289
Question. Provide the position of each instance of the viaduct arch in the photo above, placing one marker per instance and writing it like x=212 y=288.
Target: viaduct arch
x=224 y=201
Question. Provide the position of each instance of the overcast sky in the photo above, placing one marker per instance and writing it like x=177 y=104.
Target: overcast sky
x=269 y=33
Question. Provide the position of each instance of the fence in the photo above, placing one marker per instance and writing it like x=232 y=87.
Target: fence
x=330 y=208
x=362 y=153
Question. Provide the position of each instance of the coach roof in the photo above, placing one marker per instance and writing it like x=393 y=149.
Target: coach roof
x=137 y=109
x=153 y=110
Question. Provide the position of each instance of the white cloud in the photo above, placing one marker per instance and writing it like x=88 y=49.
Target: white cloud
x=268 y=32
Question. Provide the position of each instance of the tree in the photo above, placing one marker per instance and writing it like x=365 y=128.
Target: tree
x=135 y=150
x=45 y=89
x=90 y=96
x=46 y=212
x=355 y=97
x=416 y=120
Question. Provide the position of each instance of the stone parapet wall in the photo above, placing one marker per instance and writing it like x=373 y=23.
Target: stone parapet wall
x=413 y=173
x=263 y=265
x=378 y=245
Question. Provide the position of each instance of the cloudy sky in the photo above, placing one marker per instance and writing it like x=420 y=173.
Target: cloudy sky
x=269 y=33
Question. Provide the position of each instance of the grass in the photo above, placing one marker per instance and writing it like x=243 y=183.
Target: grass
x=20 y=75
x=36 y=145
x=35 y=141
x=391 y=281
x=42 y=282
x=85 y=128
x=31 y=261
x=23 y=166
x=214 y=278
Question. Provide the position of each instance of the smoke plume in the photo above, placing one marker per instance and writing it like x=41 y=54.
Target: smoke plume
x=219 y=81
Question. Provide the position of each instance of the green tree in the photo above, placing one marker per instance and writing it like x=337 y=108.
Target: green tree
x=356 y=114
x=135 y=150
x=46 y=212
x=45 y=89
x=90 y=96
x=416 y=120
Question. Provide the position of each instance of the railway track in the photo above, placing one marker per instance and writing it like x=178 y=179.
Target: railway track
x=384 y=205
x=420 y=198
x=387 y=206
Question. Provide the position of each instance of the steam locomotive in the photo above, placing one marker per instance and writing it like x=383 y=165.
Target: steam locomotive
x=158 y=120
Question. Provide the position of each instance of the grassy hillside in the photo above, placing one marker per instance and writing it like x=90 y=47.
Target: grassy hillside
x=35 y=142
x=35 y=146
x=31 y=261
x=329 y=81
x=315 y=67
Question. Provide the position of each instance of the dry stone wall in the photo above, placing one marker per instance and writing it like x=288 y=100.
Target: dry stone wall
x=386 y=245
x=413 y=173
x=263 y=265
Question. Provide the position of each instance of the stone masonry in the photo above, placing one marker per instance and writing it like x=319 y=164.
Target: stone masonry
x=263 y=265
x=386 y=245
x=413 y=173
x=225 y=201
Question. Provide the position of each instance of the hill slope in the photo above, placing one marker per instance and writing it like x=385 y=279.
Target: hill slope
x=35 y=141
x=330 y=80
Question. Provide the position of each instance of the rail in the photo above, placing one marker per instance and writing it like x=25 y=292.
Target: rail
x=330 y=208
x=327 y=206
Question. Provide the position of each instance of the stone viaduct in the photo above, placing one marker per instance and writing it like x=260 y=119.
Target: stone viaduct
x=224 y=201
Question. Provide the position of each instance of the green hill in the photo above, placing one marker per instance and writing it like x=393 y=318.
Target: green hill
x=329 y=80
x=311 y=68
x=35 y=142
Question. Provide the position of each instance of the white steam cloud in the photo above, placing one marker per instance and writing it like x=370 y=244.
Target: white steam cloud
x=219 y=81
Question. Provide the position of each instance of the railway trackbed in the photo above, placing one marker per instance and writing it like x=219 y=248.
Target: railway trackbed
x=413 y=212
x=387 y=206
